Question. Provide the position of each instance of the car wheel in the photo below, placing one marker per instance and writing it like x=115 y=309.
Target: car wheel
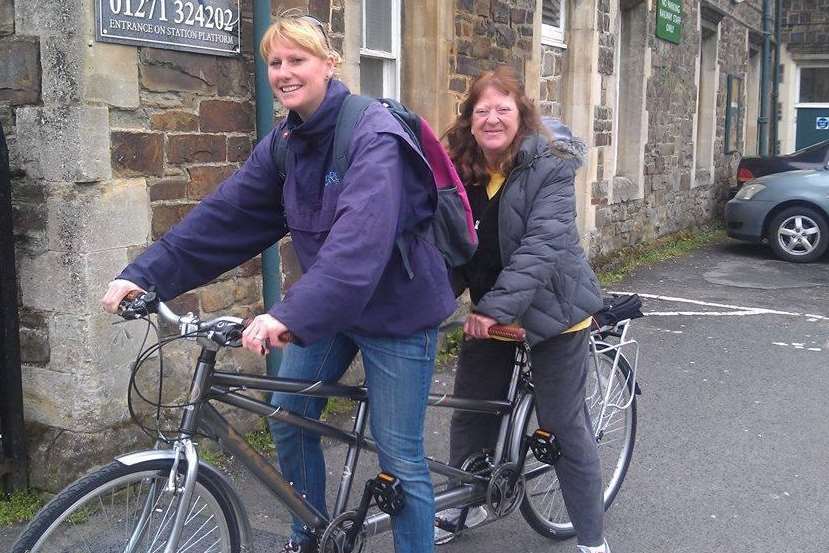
x=799 y=234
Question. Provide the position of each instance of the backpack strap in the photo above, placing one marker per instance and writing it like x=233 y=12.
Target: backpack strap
x=351 y=111
x=281 y=153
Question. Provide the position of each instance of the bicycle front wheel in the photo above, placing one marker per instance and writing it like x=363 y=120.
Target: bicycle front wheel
x=127 y=509
x=543 y=505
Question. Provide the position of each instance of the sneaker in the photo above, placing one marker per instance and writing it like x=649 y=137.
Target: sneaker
x=293 y=547
x=604 y=548
x=474 y=517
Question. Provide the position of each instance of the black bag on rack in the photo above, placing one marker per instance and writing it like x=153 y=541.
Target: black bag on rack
x=618 y=308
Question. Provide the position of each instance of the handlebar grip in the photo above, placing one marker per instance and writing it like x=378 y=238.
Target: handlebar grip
x=132 y=295
x=508 y=332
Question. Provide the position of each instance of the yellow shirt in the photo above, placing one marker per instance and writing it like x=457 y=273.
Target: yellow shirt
x=579 y=326
x=496 y=181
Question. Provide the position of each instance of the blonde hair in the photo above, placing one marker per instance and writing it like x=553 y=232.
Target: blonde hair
x=294 y=26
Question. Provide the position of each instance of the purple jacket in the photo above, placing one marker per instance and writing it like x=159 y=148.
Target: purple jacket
x=343 y=231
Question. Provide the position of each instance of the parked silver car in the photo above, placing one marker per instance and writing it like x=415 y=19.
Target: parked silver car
x=790 y=210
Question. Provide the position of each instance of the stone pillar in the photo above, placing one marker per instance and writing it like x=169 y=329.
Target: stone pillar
x=580 y=93
x=76 y=226
x=112 y=145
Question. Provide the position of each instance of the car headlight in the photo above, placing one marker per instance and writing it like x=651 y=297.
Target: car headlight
x=749 y=191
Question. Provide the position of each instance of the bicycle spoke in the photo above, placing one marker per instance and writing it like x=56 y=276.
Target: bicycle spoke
x=187 y=545
x=164 y=520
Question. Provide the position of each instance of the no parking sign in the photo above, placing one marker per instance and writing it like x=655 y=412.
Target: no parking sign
x=822 y=123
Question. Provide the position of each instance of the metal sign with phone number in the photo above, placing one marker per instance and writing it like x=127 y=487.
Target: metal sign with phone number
x=206 y=26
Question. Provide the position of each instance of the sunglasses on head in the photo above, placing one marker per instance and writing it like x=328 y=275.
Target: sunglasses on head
x=318 y=24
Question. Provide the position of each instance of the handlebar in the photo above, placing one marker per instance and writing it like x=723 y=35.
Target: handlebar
x=224 y=330
x=227 y=331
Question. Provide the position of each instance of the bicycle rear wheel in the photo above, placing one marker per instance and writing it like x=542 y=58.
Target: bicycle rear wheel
x=120 y=505
x=543 y=505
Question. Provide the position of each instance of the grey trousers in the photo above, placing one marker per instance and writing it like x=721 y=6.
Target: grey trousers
x=559 y=375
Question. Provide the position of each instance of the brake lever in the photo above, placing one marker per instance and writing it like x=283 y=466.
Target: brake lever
x=137 y=305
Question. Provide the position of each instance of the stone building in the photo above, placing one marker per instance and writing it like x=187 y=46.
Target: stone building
x=111 y=144
x=804 y=74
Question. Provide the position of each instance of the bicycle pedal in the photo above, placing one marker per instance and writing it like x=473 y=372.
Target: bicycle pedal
x=545 y=447
x=387 y=492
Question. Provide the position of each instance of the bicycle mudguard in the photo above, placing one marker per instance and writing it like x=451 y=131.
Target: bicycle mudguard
x=245 y=533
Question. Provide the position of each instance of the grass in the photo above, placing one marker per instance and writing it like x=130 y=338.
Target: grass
x=335 y=407
x=451 y=346
x=20 y=506
x=214 y=456
x=613 y=268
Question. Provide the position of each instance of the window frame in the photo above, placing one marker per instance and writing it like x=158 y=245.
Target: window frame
x=550 y=34
x=808 y=65
x=391 y=60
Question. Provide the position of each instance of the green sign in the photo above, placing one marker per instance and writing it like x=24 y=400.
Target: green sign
x=669 y=20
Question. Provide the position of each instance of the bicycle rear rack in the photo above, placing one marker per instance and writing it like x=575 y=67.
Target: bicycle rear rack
x=601 y=347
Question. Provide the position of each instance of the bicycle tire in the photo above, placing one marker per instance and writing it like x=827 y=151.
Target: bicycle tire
x=83 y=500
x=556 y=523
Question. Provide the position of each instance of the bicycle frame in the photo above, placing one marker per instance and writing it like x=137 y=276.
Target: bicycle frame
x=209 y=385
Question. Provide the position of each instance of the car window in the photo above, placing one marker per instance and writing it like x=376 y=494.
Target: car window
x=816 y=153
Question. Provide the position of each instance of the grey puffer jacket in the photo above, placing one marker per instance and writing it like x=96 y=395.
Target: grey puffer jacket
x=546 y=284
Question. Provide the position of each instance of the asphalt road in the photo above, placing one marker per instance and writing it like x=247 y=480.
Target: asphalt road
x=731 y=448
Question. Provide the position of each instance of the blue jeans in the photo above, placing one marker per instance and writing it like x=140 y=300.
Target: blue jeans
x=398 y=376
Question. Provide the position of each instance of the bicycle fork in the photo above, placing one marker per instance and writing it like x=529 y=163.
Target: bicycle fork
x=180 y=494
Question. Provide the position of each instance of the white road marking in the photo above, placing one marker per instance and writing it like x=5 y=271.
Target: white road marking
x=737 y=310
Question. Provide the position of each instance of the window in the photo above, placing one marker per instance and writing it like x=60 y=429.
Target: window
x=380 y=49
x=814 y=85
x=631 y=124
x=552 y=22
x=733 y=113
x=707 y=102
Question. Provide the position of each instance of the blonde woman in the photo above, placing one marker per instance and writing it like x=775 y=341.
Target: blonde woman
x=355 y=293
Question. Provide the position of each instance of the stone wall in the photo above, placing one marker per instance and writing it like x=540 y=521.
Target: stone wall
x=489 y=33
x=553 y=67
x=673 y=198
x=805 y=26
x=110 y=146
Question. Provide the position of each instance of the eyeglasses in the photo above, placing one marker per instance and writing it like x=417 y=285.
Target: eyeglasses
x=500 y=112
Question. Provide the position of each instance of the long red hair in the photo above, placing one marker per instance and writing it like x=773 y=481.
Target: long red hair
x=464 y=150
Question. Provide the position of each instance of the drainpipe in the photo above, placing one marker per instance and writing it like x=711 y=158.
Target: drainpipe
x=13 y=470
x=763 y=120
x=264 y=124
x=775 y=80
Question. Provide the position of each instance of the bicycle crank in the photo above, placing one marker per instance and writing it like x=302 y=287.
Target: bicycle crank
x=344 y=534
x=505 y=490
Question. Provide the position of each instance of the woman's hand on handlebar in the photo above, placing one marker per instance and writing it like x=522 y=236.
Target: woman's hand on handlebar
x=264 y=333
x=477 y=326
x=116 y=291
